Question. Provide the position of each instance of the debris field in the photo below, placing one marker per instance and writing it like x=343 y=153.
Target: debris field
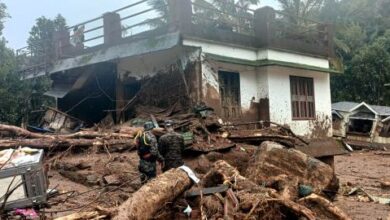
x=244 y=172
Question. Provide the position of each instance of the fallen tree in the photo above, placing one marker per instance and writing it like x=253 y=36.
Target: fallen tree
x=148 y=200
x=19 y=137
x=20 y=132
x=61 y=143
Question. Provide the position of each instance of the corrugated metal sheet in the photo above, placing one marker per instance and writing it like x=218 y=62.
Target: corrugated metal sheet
x=348 y=106
x=344 y=106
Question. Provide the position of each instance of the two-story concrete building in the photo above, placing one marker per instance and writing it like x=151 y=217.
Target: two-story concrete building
x=258 y=65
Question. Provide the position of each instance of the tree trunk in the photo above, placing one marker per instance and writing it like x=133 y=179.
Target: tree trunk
x=20 y=132
x=330 y=207
x=154 y=195
x=48 y=143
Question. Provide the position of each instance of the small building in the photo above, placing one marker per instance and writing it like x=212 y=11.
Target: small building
x=256 y=65
x=361 y=124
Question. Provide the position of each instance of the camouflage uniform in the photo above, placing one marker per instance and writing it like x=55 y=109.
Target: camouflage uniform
x=171 y=146
x=148 y=153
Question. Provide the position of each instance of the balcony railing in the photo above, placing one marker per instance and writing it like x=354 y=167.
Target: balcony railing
x=229 y=23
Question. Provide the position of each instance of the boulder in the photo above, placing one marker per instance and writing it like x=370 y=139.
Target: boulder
x=272 y=160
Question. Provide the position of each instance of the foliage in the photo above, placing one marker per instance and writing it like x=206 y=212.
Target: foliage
x=360 y=42
x=225 y=14
x=19 y=97
x=231 y=15
x=3 y=15
x=41 y=41
x=301 y=8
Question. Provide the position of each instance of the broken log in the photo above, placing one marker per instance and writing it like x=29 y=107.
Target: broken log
x=82 y=216
x=45 y=143
x=249 y=192
x=324 y=203
x=20 y=132
x=151 y=197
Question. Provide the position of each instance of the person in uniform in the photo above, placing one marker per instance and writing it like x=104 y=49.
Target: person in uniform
x=171 y=147
x=148 y=153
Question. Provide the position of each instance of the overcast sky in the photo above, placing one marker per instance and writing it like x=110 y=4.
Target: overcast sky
x=25 y=12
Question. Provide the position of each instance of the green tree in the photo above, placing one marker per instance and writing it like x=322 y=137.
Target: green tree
x=360 y=26
x=19 y=97
x=3 y=15
x=366 y=74
x=227 y=14
x=41 y=41
x=301 y=9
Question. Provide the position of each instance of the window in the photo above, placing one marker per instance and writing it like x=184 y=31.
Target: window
x=302 y=98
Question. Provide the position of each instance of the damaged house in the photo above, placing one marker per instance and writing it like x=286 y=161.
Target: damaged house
x=361 y=124
x=258 y=65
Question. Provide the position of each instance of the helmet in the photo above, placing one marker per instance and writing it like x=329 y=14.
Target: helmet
x=148 y=126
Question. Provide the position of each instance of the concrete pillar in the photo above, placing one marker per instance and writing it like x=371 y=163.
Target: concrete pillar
x=62 y=44
x=112 y=28
x=180 y=15
x=263 y=17
x=329 y=39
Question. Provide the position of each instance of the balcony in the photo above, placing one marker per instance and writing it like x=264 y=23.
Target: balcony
x=235 y=25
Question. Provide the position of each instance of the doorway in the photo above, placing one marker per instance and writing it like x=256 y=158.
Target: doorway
x=229 y=86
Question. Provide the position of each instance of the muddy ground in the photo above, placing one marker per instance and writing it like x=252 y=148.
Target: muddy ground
x=366 y=170
x=362 y=169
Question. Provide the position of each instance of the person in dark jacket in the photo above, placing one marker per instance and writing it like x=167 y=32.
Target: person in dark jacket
x=171 y=146
x=148 y=153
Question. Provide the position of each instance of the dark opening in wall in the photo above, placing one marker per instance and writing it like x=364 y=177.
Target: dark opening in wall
x=91 y=102
x=229 y=84
x=360 y=126
x=385 y=130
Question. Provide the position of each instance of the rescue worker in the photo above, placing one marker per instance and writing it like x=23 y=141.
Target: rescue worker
x=148 y=153
x=171 y=147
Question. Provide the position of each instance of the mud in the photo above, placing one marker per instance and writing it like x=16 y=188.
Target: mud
x=366 y=170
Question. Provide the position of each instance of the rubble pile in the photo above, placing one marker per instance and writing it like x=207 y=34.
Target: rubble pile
x=242 y=174
x=224 y=193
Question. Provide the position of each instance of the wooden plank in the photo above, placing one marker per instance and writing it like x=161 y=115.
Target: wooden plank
x=207 y=191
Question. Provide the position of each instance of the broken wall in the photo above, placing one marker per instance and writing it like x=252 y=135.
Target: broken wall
x=97 y=95
x=253 y=89
x=161 y=79
x=339 y=125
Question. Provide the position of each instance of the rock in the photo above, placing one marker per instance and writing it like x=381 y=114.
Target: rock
x=85 y=178
x=112 y=180
x=214 y=156
x=83 y=165
x=385 y=184
x=272 y=160
x=92 y=179
x=203 y=165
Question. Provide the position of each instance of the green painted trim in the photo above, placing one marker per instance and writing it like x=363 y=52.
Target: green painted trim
x=260 y=63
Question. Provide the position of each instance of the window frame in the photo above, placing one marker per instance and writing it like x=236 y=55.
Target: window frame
x=303 y=98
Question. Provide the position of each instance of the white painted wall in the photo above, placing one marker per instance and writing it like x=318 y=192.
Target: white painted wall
x=252 y=83
x=280 y=99
x=253 y=54
x=292 y=58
